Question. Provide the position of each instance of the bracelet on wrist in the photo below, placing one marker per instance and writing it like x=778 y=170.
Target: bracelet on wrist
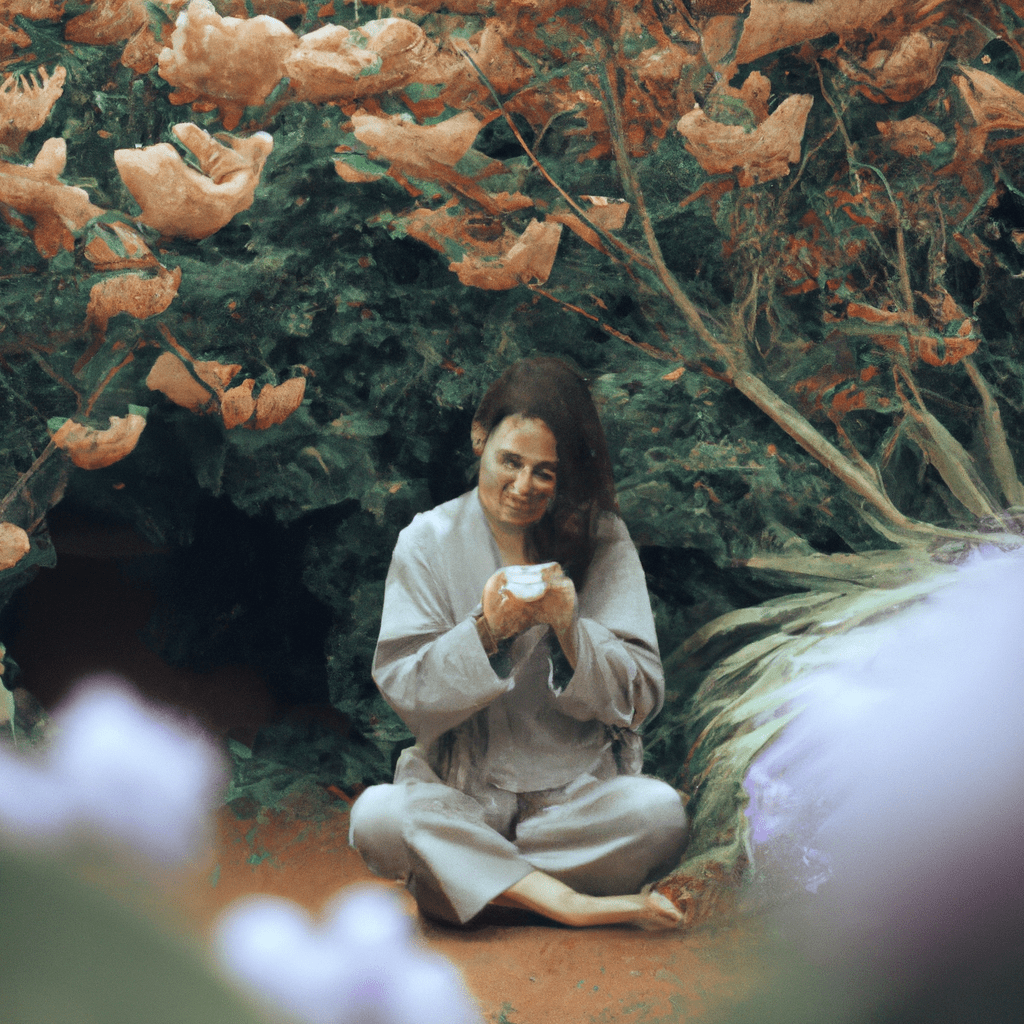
x=487 y=638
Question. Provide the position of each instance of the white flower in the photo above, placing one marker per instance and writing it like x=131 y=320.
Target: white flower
x=360 y=962
x=118 y=769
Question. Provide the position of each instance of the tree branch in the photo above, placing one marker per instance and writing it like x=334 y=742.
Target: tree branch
x=651 y=350
x=22 y=480
x=755 y=389
x=679 y=297
x=602 y=232
x=786 y=417
x=995 y=438
x=901 y=245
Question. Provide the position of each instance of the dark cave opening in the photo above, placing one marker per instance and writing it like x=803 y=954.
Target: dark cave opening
x=222 y=629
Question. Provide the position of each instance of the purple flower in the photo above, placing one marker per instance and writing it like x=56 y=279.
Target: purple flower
x=119 y=770
x=359 y=963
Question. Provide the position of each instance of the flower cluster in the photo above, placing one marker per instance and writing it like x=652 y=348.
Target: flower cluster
x=130 y=776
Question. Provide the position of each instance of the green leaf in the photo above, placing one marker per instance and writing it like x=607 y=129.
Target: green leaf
x=76 y=952
x=159 y=18
x=6 y=700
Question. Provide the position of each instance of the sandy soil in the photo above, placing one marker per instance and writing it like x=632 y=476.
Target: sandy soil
x=84 y=616
x=522 y=969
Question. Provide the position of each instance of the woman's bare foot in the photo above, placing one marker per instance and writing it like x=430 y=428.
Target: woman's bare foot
x=663 y=912
x=547 y=896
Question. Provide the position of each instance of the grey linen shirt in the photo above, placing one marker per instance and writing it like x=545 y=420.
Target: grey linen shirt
x=520 y=732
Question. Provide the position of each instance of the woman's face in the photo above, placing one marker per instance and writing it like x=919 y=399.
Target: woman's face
x=517 y=473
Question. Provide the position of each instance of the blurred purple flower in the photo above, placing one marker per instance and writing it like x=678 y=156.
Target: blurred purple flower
x=898 y=783
x=119 y=770
x=358 y=964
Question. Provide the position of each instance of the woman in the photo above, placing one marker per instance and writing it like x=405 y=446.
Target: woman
x=523 y=788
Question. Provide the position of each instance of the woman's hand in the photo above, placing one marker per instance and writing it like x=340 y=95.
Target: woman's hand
x=510 y=606
x=558 y=605
x=558 y=609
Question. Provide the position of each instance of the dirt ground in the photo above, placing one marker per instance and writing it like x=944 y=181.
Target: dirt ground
x=521 y=969
x=84 y=616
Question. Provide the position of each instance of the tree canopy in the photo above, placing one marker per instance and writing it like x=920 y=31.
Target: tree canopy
x=263 y=257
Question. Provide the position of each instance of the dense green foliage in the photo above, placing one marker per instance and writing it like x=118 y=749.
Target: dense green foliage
x=871 y=290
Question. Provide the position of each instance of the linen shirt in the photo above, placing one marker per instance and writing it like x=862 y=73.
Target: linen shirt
x=521 y=732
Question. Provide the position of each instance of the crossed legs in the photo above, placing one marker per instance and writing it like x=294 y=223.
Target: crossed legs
x=582 y=861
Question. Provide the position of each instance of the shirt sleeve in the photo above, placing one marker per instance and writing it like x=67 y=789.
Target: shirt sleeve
x=618 y=678
x=429 y=666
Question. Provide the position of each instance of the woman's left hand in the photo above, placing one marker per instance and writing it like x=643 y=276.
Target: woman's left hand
x=557 y=608
x=558 y=605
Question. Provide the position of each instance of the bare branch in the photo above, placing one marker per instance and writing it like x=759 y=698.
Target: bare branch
x=785 y=416
x=671 y=285
x=995 y=438
x=780 y=411
x=644 y=346
x=631 y=253
x=23 y=480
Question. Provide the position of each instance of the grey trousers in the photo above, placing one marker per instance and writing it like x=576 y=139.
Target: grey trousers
x=457 y=852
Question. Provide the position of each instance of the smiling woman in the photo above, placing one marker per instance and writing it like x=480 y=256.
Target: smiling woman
x=545 y=405
x=518 y=467
x=518 y=645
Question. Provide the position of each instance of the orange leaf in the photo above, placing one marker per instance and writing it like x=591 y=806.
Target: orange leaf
x=232 y=61
x=25 y=104
x=774 y=25
x=14 y=545
x=873 y=315
x=139 y=296
x=994 y=105
x=759 y=155
x=845 y=401
x=936 y=351
x=112 y=21
x=237 y=404
x=912 y=136
x=90 y=448
x=412 y=145
x=900 y=74
x=101 y=254
x=181 y=202
x=56 y=209
x=609 y=214
x=217 y=375
x=327 y=65
x=529 y=258
x=170 y=376
x=276 y=404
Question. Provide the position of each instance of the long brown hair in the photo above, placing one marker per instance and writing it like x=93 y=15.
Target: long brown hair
x=550 y=390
